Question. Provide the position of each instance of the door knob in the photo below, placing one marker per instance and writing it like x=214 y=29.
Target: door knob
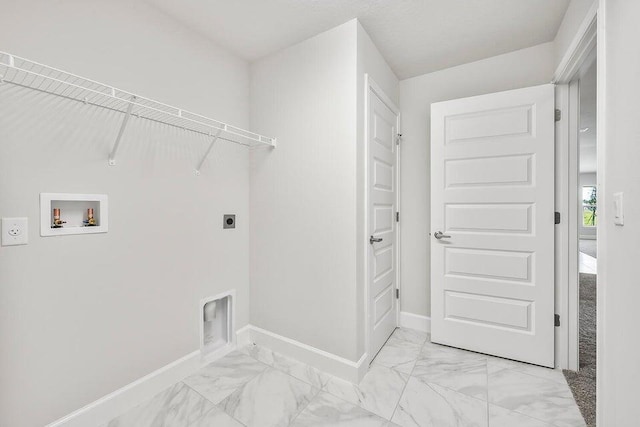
x=373 y=240
x=440 y=235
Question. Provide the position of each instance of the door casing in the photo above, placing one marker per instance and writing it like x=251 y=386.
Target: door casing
x=584 y=48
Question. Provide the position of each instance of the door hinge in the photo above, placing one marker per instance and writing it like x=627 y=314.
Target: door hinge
x=556 y=319
x=558 y=115
x=398 y=138
x=397 y=293
x=397 y=216
x=557 y=218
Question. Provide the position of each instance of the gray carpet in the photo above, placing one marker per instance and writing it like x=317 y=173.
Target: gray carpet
x=589 y=247
x=583 y=382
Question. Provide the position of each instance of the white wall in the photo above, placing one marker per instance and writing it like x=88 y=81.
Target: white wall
x=619 y=341
x=303 y=194
x=573 y=17
x=307 y=251
x=527 y=67
x=586 y=179
x=81 y=316
x=370 y=62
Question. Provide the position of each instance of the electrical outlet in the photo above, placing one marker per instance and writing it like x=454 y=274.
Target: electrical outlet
x=229 y=221
x=15 y=231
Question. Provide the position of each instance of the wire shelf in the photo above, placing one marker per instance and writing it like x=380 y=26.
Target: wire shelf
x=30 y=74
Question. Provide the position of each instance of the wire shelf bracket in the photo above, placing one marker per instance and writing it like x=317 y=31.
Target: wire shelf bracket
x=206 y=153
x=30 y=74
x=123 y=126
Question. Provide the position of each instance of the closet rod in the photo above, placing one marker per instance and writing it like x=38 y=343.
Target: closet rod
x=30 y=74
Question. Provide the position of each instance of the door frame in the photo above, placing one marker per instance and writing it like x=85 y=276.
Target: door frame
x=592 y=32
x=372 y=87
x=582 y=50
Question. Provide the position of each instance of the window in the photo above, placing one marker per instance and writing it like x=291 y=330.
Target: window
x=589 y=206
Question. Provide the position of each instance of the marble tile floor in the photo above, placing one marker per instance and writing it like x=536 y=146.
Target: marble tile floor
x=411 y=382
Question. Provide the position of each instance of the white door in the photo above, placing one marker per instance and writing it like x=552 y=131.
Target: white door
x=492 y=224
x=382 y=200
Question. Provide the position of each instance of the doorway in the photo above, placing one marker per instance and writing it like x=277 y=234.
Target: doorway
x=583 y=123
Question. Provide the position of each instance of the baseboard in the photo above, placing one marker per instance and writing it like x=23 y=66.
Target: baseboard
x=320 y=359
x=415 y=321
x=125 y=398
x=243 y=336
x=587 y=237
x=120 y=401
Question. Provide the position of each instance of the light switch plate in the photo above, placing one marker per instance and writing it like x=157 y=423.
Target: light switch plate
x=15 y=231
x=618 y=209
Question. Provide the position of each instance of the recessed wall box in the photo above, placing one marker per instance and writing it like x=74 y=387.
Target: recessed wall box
x=73 y=214
x=216 y=322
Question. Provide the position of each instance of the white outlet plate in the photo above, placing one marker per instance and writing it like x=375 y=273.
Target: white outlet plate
x=15 y=231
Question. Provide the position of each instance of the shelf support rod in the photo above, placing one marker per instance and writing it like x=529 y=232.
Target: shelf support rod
x=206 y=153
x=123 y=126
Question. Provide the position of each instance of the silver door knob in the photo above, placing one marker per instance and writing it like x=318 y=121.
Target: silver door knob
x=440 y=235
x=373 y=240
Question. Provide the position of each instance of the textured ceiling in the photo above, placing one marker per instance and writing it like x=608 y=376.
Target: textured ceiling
x=415 y=36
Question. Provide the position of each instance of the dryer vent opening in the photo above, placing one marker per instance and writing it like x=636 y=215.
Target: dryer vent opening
x=216 y=323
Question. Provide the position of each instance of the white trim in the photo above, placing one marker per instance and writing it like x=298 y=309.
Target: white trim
x=415 y=321
x=566 y=240
x=576 y=54
x=372 y=86
x=243 y=336
x=582 y=44
x=579 y=52
x=601 y=347
x=120 y=401
x=365 y=273
x=398 y=223
x=572 y=314
x=562 y=229
x=588 y=236
x=380 y=94
x=320 y=359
